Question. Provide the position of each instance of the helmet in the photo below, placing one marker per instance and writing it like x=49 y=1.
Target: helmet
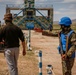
x=66 y=21
x=8 y=16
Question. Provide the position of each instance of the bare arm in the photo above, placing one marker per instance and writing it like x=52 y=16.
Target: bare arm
x=24 y=48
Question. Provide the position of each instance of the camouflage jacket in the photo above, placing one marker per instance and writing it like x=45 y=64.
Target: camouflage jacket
x=71 y=41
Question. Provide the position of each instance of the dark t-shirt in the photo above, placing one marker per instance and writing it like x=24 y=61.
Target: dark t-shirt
x=11 y=35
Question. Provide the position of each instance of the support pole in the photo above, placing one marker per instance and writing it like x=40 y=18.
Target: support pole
x=40 y=62
x=29 y=40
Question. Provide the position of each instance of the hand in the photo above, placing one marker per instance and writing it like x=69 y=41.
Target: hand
x=24 y=52
x=1 y=42
x=63 y=56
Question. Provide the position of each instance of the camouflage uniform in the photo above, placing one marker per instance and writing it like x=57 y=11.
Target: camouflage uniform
x=67 y=41
x=68 y=63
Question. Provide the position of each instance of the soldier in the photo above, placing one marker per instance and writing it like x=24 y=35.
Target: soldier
x=67 y=45
x=11 y=34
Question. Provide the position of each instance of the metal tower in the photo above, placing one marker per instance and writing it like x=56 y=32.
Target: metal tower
x=29 y=10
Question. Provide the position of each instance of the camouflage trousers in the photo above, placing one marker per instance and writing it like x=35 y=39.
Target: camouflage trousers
x=67 y=66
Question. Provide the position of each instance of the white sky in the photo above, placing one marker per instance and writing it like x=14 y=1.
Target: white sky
x=61 y=7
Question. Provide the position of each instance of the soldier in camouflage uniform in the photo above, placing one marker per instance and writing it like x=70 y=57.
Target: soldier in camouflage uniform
x=67 y=46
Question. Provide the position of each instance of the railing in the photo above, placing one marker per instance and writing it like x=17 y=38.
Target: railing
x=41 y=14
x=20 y=19
x=41 y=25
x=43 y=22
x=18 y=13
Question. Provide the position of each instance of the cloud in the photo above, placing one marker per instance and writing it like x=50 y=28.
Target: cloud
x=39 y=1
x=4 y=0
x=57 y=12
x=47 y=1
x=72 y=6
x=11 y=1
x=65 y=12
x=19 y=1
x=69 y=1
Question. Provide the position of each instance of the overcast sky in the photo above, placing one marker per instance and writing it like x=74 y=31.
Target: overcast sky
x=61 y=7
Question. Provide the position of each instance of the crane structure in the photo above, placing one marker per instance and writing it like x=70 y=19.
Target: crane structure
x=29 y=18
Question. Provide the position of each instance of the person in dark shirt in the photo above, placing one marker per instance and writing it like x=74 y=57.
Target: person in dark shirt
x=10 y=34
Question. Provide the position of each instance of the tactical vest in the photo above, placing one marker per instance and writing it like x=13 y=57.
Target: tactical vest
x=64 y=41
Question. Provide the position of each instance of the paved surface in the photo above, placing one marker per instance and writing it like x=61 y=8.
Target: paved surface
x=48 y=45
